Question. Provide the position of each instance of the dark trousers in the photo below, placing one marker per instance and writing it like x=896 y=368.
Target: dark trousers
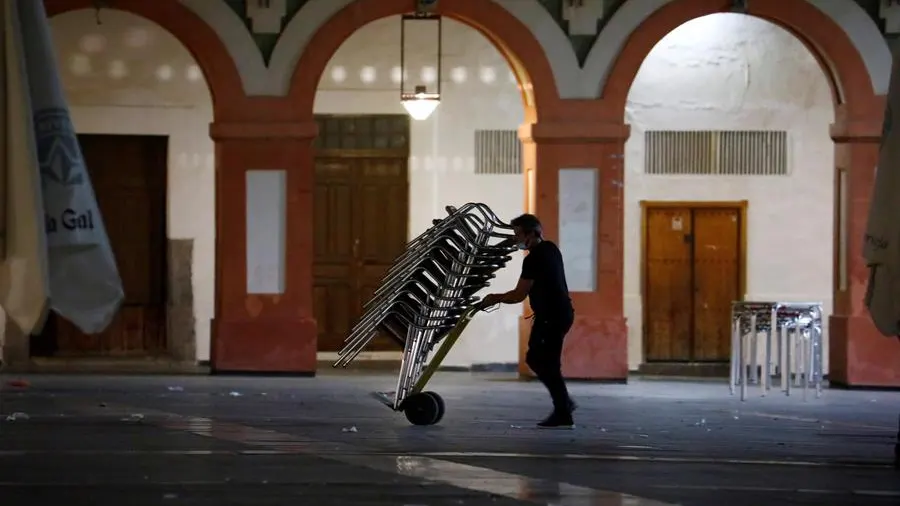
x=544 y=357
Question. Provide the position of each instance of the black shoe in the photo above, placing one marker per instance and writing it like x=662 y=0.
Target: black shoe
x=558 y=421
x=572 y=406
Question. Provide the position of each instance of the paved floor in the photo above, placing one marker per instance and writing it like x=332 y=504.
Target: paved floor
x=261 y=441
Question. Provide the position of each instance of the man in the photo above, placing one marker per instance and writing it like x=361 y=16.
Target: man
x=543 y=281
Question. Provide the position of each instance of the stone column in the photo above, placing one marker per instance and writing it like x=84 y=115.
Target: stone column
x=858 y=354
x=574 y=184
x=264 y=202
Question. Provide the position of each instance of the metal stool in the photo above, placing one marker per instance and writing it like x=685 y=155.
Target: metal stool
x=797 y=334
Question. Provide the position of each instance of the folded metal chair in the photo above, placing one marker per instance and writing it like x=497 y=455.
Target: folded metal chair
x=427 y=298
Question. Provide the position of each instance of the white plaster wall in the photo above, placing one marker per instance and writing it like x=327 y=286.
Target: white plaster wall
x=479 y=92
x=728 y=71
x=127 y=75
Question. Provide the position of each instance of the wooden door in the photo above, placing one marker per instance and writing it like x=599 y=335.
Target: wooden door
x=361 y=217
x=128 y=173
x=692 y=273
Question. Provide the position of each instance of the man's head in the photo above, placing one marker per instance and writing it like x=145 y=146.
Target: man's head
x=527 y=229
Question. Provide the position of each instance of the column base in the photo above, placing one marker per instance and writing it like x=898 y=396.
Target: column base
x=859 y=355
x=274 y=346
x=596 y=349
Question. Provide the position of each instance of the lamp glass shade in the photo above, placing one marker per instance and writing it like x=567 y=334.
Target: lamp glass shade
x=420 y=108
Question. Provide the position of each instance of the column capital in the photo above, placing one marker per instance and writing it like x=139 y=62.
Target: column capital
x=858 y=126
x=574 y=132
x=262 y=130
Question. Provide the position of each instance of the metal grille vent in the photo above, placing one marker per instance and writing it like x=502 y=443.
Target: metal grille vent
x=498 y=152
x=716 y=152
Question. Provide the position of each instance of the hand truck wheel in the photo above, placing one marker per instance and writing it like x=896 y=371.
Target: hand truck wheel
x=424 y=408
x=441 y=406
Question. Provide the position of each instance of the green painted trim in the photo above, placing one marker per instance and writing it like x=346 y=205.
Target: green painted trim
x=266 y=42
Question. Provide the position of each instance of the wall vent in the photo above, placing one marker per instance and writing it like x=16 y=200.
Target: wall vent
x=716 y=152
x=498 y=152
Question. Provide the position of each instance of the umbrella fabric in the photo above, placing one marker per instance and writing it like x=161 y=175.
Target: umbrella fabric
x=882 y=240
x=85 y=287
x=24 y=287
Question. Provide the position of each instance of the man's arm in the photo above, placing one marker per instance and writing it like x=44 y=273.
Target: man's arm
x=518 y=293
x=513 y=296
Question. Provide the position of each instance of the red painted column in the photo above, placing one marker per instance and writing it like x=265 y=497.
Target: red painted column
x=859 y=355
x=597 y=346
x=263 y=332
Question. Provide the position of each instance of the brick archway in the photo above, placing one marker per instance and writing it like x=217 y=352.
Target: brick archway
x=858 y=354
x=323 y=32
x=196 y=35
x=515 y=42
x=839 y=58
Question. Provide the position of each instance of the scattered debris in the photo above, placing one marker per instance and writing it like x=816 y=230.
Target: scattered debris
x=350 y=429
x=176 y=389
x=235 y=394
x=19 y=383
x=134 y=417
x=17 y=416
x=170 y=496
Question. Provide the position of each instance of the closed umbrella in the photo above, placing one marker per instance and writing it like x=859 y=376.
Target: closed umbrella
x=882 y=239
x=85 y=286
x=24 y=282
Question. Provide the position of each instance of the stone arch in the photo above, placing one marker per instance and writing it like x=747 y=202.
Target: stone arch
x=319 y=29
x=857 y=65
x=557 y=47
x=198 y=37
x=239 y=43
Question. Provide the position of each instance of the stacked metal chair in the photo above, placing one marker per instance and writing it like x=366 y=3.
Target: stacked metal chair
x=426 y=299
x=793 y=330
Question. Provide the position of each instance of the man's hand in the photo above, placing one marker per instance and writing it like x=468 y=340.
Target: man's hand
x=491 y=299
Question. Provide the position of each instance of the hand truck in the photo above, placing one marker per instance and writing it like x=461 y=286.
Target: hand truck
x=427 y=298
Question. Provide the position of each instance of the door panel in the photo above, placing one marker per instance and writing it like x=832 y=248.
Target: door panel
x=716 y=280
x=384 y=209
x=667 y=298
x=362 y=213
x=129 y=178
x=334 y=265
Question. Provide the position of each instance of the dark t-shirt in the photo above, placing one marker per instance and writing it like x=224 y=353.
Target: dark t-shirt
x=549 y=295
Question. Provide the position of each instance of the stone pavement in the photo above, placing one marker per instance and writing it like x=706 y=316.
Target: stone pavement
x=176 y=440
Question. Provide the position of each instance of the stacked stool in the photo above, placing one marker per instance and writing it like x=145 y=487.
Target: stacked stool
x=793 y=330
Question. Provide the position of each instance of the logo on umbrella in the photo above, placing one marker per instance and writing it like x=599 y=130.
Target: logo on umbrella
x=58 y=152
